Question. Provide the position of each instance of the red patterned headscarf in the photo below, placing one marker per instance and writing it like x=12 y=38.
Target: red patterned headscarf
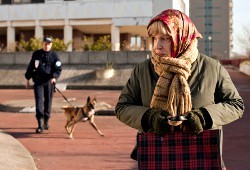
x=182 y=29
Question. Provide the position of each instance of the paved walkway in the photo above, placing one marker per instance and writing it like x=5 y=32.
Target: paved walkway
x=53 y=150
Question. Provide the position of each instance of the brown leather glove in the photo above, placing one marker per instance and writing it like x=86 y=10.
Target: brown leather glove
x=199 y=119
x=155 y=120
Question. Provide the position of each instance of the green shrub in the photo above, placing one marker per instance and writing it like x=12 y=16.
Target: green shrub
x=109 y=65
x=36 y=43
x=89 y=41
x=59 y=45
x=31 y=45
x=102 y=44
x=246 y=62
x=125 y=46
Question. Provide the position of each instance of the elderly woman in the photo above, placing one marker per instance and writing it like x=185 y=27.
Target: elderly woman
x=176 y=81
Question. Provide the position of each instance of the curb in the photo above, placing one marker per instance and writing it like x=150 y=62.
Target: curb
x=70 y=87
x=14 y=155
x=16 y=109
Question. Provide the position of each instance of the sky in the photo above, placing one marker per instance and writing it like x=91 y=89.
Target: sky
x=241 y=18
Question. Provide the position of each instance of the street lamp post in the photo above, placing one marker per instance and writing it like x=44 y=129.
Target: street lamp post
x=209 y=45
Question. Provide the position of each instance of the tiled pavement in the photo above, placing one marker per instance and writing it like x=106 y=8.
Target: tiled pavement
x=53 y=150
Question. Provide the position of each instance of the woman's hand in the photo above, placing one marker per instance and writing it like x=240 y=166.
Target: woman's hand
x=156 y=120
x=196 y=120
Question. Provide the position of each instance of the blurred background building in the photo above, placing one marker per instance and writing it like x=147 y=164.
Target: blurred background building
x=124 y=20
x=70 y=20
x=213 y=19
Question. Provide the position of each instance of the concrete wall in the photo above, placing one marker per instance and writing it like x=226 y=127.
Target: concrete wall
x=82 y=58
x=245 y=68
x=78 y=68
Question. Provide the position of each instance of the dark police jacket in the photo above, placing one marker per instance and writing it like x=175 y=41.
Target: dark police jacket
x=43 y=66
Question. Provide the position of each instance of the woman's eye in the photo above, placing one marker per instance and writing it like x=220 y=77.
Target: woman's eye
x=166 y=38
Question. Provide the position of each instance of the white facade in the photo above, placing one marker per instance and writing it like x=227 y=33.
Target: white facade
x=89 y=17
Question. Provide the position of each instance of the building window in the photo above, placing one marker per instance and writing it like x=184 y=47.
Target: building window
x=208 y=24
x=37 y=1
x=21 y=1
x=6 y=2
x=135 y=43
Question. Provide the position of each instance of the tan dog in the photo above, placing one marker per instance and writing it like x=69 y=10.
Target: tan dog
x=77 y=114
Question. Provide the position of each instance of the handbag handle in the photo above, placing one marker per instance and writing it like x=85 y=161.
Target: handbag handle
x=177 y=118
x=176 y=121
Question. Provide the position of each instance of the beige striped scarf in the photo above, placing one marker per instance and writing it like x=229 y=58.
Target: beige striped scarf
x=172 y=92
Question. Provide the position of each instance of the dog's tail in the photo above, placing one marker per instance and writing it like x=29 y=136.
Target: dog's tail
x=66 y=107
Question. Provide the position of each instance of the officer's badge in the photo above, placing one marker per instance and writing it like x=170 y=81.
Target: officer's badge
x=36 y=63
x=58 y=63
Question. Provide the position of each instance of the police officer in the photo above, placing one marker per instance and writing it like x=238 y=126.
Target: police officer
x=44 y=68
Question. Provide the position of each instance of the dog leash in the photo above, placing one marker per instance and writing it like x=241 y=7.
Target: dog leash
x=62 y=95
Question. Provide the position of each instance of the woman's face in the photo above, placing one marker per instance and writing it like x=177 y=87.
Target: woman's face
x=162 y=44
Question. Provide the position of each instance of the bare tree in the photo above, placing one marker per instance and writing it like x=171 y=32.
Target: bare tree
x=244 y=40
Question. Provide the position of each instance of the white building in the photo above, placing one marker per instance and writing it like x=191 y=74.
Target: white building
x=70 y=20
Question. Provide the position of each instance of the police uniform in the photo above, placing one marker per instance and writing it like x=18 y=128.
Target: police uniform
x=43 y=66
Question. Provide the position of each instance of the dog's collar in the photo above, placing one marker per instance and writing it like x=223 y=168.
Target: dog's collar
x=83 y=113
x=91 y=109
